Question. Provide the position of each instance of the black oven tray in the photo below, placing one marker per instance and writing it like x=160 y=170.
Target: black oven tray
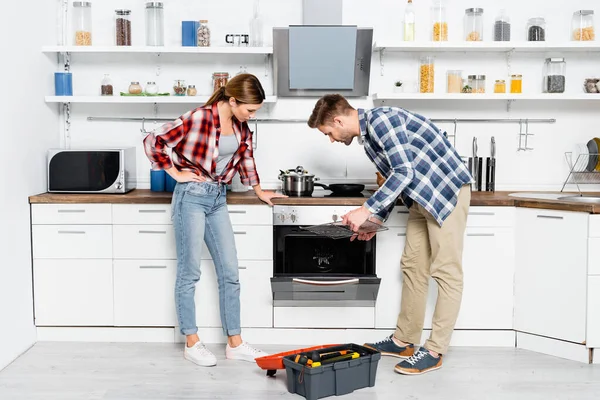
x=337 y=230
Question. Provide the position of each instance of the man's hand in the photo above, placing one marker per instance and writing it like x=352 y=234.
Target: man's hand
x=267 y=196
x=356 y=218
x=363 y=236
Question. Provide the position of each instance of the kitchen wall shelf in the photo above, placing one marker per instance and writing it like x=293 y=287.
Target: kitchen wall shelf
x=157 y=50
x=489 y=47
x=483 y=96
x=136 y=99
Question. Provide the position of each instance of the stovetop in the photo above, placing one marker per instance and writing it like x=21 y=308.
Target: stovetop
x=329 y=193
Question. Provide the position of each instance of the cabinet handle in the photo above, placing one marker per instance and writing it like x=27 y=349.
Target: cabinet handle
x=153 y=266
x=402 y=234
x=402 y=212
x=482 y=213
x=71 y=232
x=550 y=216
x=71 y=211
x=237 y=212
x=152 y=211
x=154 y=232
x=242 y=267
x=239 y=233
x=481 y=234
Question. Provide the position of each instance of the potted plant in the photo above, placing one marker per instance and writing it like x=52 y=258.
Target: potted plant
x=398 y=87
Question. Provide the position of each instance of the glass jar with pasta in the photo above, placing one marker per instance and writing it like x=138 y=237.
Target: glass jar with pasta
x=427 y=74
x=439 y=32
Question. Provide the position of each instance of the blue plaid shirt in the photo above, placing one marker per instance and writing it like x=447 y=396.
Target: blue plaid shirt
x=417 y=159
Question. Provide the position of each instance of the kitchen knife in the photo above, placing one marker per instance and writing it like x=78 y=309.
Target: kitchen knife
x=474 y=166
x=493 y=166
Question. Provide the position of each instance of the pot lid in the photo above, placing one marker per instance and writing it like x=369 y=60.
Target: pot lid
x=298 y=171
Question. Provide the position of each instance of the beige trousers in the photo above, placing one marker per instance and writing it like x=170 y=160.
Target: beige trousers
x=436 y=252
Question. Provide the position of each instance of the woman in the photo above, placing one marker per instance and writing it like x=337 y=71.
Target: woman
x=209 y=145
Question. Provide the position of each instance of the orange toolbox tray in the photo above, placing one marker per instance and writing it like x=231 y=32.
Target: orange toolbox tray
x=274 y=362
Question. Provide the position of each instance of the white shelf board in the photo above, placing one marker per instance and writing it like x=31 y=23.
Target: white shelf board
x=136 y=99
x=154 y=50
x=483 y=96
x=483 y=47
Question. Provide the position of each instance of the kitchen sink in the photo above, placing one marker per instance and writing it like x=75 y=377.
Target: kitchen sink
x=581 y=199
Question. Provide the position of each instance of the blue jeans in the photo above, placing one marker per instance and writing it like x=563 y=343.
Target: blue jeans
x=199 y=212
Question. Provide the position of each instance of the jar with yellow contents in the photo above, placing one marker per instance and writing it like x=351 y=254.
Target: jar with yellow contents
x=516 y=83
x=426 y=74
x=500 y=86
x=439 y=31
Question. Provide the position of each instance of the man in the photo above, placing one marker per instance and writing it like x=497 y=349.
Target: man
x=422 y=168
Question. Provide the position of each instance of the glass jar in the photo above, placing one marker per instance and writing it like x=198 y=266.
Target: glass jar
x=454 y=81
x=554 y=75
x=135 y=88
x=152 y=88
x=477 y=83
x=583 y=25
x=155 y=24
x=427 y=74
x=82 y=23
x=500 y=86
x=106 y=87
x=474 y=24
x=123 y=27
x=203 y=33
x=409 y=22
x=179 y=87
x=502 y=27
x=516 y=83
x=191 y=90
x=536 y=30
x=219 y=79
x=439 y=32
x=256 y=27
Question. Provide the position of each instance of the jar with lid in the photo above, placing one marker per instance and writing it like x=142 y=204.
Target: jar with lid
x=555 y=75
x=203 y=33
x=427 y=74
x=135 y=88
x=536 y=29
x=191 y=90
x=155 y=24
x=106 y=87
x=123 y=27
x=179 y=87
x=502 y=27
x=500 y=86
x=82 y=23
x=454 y=81
x=152 y=88
x=583 y=25
x=516 y=83
x=219 y=79
x=477 y=83
x=474 y=24
x=439 y=31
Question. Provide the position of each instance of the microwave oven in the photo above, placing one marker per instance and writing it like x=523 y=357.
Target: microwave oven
x=91 y=170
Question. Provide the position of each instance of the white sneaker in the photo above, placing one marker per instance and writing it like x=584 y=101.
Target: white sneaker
x=243 y=352
x=199 y=354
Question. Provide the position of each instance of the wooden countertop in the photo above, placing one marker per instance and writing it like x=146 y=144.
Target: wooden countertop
x=145 y=196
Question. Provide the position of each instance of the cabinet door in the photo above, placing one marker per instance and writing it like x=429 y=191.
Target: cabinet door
x=593 y=312
x=73 y=292
x=72 y=241
x=551 y=274
x=256 y=297
x=390 y=245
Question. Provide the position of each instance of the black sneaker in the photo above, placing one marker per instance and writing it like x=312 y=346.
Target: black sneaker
x=422 y=361
x=387 y=347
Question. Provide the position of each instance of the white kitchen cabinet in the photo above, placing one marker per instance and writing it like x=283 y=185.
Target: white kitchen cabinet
x=148 y=242
x=593 y=312
x=390 y=245
x=141 y=214
x=72 y=241
x=73 y=292
x=71 y=214
x=324 y=317
x=250 y=214
x=551 y=274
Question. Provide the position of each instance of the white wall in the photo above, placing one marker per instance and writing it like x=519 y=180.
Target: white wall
x=29 y=127
x=287 y=145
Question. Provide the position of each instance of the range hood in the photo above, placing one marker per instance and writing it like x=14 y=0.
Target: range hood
x=322 y=56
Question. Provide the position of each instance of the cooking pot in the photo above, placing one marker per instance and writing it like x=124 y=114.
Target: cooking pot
x=297 y=182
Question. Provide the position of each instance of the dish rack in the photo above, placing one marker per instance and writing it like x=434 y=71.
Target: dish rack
x=584 y=171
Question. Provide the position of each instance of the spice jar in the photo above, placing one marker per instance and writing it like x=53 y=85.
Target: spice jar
x=203 y=34
x=191 y=90
x=155 y=31
x=536 y=30
x=454 y=81
x=179 y=87
x=123 y=27
x=477 y=83
x=219 y=79
x=151 y=88
x=439 y=32
x=554 y=75
x=135 y=88
x=502 y=27
x=427 y=74
x=82 y=23
x=106 y=88
x=583 y=25
x=500 y=86
x=474 y=24
x=516 y=83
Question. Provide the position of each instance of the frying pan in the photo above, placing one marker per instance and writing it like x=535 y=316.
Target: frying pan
x=343 y=188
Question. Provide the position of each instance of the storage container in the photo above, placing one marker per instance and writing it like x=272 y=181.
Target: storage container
x=152 y=88
x=427 y=74
x=500 y=86
x=409 y=22
x=179 y=87
x=219 y=79
x=439 y=32
x=555 y=75
x=583 y=25
x=516 y=83
x=536 y=30
x=203 y=34
x=106 y=87
x=477 y=83
x=82 y=23
x=191 y=90
x=155 y=21
x=123 y=27
x=473 y=22
x=454 y=81
x=135 y=88
x=502 y=27
x=256 y=27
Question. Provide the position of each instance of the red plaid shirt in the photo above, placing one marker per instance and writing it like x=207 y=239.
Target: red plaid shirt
x=194 y=138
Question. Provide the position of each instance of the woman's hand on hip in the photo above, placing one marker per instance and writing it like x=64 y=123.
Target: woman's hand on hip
x=188 y=176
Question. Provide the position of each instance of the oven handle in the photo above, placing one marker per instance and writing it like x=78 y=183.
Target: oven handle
x=325 y=283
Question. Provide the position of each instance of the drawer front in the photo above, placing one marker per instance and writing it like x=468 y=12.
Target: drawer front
x=594 y=256
x=253 y=242
x=324 y=317
x=72 y=241
x=145 y=242
x=141 y=214
x=491 y=217
x=143 y=292
x=71 y=214
x=250 y=215
x=398 y=217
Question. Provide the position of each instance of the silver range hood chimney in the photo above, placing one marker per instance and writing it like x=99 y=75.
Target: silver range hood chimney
x=322 y=12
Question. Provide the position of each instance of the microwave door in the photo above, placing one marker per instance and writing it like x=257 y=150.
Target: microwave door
x=83 y=171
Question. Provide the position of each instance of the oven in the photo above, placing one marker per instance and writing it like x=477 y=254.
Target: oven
x=311 y=270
